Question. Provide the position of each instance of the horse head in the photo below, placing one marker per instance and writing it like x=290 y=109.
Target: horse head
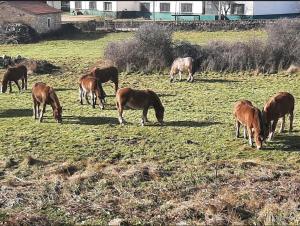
x=57 y=113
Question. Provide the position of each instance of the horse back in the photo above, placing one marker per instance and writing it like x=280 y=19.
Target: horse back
x=106 y=74
x=279 y=105
x=247 y=114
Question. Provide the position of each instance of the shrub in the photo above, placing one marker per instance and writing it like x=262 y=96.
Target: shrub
x=150 y=49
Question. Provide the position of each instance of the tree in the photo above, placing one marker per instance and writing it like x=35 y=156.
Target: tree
x=223 y=7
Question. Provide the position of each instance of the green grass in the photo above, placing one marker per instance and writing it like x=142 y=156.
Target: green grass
x=199 y=127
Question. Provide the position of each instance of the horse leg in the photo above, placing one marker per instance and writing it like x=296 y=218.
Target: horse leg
x=144 y=116
x=180 y=76
x=237 y=128
x=250 y=136
x=87 y=98
x=93 y=99
x=34 y=109
x=19 y=87
x=43 y=111
x=291 y=121
x=23 y=83
x=282 y=124
x=120 y=111
x=10 y=88
x=245 y=132
x=273 y=127
x=80 y=95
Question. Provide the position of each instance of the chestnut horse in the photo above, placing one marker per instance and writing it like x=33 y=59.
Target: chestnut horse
x=180 y=65
x=277 y=107
x=13 y=74
x=251 y=117
x=89 y=85
x=139 y=99
x=43 y=95
x=106 y=74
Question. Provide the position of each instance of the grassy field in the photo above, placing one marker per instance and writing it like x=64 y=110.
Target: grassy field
x=90 y=170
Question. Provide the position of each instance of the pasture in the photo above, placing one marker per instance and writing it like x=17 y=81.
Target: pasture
x=90 y=170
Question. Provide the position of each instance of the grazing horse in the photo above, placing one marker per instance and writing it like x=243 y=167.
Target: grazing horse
x=104 y=75
x=180 y=65
x=251 y=117
x=13 y=74
x=43 y=95
x=89 y=85
x=277 y=107
x=139 y=99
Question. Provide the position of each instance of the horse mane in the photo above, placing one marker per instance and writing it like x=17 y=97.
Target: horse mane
x=54 y=97
x=156 y=103
x=261 y=121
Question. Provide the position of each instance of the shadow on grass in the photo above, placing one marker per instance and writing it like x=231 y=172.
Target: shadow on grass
x=211 y=80
x=89 y=120
x=64 y=89
x=286 y=142
x=187 y=123
x=12 y=113
x=88 y=36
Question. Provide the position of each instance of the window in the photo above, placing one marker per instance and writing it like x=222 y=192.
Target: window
x=211 y=7
x=49 y=22
x=164 y=7
x=145 y=7
x=186 y=7
x=107 y=6
x=92 y=5
x=77 y=5
x=238 y=9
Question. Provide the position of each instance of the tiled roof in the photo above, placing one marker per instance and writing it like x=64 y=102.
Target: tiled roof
x=33 y=7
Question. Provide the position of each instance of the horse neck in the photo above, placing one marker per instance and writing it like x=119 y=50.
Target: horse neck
x=54 y=102
x=157 y=105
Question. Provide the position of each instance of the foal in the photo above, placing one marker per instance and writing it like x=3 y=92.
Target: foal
x=277 y=107
x=251 y=117
x=42 y=95
x=13 y=74
x=139 y=99
x=89 y=85
x=180 y=65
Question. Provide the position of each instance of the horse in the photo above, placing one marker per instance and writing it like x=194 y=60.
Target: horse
x=43 y=95
x=106 y=74
x=89 y=85
x=139 y=99
x=252 y=119
x=278 y=106
x=180 y=65
x=13 y=74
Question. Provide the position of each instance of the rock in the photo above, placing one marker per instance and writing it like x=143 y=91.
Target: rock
x=118 y=222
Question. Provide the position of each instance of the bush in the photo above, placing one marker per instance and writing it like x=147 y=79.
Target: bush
x=150 y=49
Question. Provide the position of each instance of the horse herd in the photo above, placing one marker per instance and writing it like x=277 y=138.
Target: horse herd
x=257 y=124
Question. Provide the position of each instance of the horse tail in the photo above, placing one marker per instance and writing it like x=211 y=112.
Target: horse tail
x=194 y=66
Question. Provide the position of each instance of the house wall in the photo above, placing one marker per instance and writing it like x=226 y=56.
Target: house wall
x=38 y=22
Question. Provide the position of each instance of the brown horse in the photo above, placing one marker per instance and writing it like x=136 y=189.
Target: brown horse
x=277 y=107
x=251 y=117
x=106 y=74
x=180 y=65
x=43 y=95
x=13 y=74
x=89 y=85
x=139 y=99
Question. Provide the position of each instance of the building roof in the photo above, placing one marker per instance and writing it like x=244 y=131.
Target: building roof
x=33 y=7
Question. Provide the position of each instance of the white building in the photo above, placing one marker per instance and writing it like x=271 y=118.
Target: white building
x=188 y=10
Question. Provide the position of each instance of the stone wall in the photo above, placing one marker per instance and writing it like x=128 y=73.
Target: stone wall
x=38 y=22
x=192 y=25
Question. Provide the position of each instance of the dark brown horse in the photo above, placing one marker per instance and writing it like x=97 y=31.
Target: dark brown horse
x=13 y=74
x=251 y=118
x=106 y=74
x=278 y=106
x=43 y=95
x=89 y=85
x=139 y=99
